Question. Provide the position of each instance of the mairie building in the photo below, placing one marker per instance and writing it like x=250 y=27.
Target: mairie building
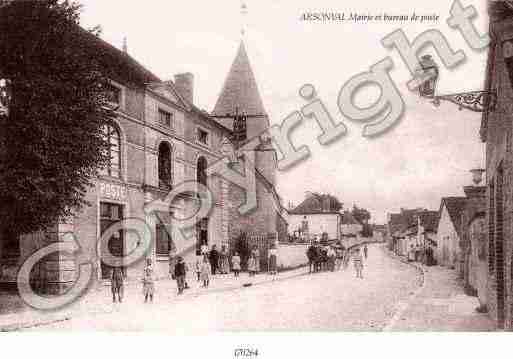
x=159 y=140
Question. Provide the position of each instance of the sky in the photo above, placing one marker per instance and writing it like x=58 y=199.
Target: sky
x=425 y=157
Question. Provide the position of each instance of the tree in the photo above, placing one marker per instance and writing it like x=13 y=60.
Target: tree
x=51 y=141
x=361 y=215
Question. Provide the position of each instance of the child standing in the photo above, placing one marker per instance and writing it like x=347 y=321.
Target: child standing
x=148 y=282
x=236 y=264
x=358 y=263
x=252 y=265
x=116 y=283
x=206 y=271
x=273 y=261
x=197 y=267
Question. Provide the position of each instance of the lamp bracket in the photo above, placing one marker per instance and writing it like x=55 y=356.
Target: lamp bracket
x=477 y=101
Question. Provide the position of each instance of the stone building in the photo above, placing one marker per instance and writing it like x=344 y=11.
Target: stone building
x=496 y=129
x=159 y=140
x=473 y=242
x=318 y=216
x=448 y=252
x=349 y=226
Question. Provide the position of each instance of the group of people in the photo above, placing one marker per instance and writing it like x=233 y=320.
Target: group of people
x=325 y=258
x=214 y=262
x=206 y=265
x=334 y=257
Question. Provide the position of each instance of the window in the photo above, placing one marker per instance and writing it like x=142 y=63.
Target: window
x=201 y=171
x=165 y=180
x=113 y=94
x=163 y=241
x=165 y=118
x=202 y=136
x=113 y=166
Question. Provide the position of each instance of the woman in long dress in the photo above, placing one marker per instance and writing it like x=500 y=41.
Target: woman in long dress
x=273 y=261
x=256 y=254
x=224 y=266
x=252 y=265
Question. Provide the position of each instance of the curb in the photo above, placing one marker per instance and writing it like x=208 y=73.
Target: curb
x=404 y=305
x=28 y=325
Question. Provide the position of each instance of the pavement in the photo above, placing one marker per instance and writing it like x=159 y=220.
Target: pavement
x=440 y=304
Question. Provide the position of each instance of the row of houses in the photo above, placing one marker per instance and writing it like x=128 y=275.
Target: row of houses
x=159 y=140
x=475 y=232
x=453 y=236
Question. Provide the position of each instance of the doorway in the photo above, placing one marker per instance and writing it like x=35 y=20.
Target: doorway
x=110 y=214
x=202 y=235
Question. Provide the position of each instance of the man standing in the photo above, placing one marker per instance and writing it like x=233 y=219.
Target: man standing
x=310 y=253
x=214 y=259
x=180 y=274
x=116 y=282
x=365 y=251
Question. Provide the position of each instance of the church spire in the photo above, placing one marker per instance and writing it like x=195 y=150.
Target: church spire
x=240 y=91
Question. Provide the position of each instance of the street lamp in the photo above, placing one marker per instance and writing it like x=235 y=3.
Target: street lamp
x=477 y=101
x=477 y=175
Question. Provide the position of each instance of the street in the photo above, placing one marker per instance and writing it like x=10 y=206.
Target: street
x=334 y=301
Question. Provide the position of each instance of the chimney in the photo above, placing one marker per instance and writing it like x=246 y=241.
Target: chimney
x=325 y=204
x=185 y=85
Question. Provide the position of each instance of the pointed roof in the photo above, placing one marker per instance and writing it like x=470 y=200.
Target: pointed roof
x=455 y=206
x=240 y=89
x=318 y=204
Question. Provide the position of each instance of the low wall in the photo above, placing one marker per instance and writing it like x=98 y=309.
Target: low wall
x=292 y=255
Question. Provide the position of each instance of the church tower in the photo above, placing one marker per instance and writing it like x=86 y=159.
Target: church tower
x=240 y=108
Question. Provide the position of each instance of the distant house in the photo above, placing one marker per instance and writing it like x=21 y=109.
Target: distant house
x=403 y=230
x=350 y=227
x=423 y=233
x=379 y=232
x=448 y=252
x=318 y=216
